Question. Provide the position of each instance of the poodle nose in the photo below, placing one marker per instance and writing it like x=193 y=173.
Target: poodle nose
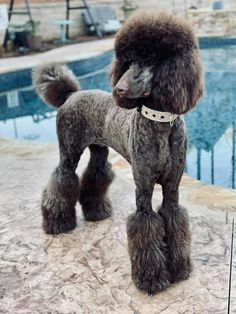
x=121 y=89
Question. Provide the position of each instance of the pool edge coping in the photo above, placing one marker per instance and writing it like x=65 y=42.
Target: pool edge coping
x=56 y=55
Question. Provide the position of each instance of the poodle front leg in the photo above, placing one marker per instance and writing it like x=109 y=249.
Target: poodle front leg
x=60 y=196
x=178 y=234
x=94 y=185
x=147 y=249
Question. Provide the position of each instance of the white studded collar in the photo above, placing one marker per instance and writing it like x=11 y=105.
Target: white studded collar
x=158 y=116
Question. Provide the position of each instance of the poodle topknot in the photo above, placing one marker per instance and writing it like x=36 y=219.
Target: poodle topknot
x=156 y=76
x=151 y=38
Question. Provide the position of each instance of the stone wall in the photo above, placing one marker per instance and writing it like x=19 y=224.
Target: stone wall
x=48 y=10
x=213 y=22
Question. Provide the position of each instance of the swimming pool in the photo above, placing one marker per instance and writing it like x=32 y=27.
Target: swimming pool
x=211 y=126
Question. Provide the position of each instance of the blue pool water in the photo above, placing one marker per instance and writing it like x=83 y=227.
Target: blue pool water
x=211 y=126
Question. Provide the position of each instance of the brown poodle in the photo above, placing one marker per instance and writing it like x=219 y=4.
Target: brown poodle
x=156 y=70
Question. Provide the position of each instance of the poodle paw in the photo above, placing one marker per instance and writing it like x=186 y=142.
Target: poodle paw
x=178 y=241
x=148 y=252
x=180 y=270
x=96 y=209
x=58 y=216
x=149 y=272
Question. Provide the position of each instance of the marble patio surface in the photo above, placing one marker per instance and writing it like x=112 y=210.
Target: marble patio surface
x=88 y=270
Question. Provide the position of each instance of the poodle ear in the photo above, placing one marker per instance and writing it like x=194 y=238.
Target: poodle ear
x=178 y=82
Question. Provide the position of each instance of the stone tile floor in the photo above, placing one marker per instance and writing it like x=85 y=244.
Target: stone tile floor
x=88 y=270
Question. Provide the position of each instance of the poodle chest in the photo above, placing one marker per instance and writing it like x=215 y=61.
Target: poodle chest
x=97 y=120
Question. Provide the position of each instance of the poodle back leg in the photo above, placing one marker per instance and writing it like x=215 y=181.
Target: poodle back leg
x=94 y=185
x=146 y=234
x=58 y=201
x=61 y=194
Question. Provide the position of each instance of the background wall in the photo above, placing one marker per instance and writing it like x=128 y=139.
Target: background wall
x=48 y=10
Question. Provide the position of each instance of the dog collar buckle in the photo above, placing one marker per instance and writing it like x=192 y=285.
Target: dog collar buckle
x=158 y=116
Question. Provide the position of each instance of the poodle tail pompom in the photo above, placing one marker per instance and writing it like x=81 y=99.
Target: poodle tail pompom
x=54 y=83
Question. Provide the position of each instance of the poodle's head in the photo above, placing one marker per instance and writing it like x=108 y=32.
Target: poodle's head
x=157 y=64
x=134 y=84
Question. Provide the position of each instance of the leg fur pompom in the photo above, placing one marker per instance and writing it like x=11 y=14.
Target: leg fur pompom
x=58 y=203
x=94 y=186
x=148 y=252
x=178 y=238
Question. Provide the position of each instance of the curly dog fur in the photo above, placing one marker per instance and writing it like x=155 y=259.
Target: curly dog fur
x=156 y=64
